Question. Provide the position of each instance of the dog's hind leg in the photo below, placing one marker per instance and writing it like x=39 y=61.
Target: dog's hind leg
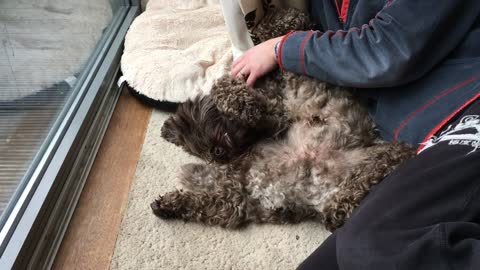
x=383 y=160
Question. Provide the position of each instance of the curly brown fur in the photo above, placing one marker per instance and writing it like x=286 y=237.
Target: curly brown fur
x=350 y=193
x=278 y=22
x=298 y=149
x=281 y=181
x=262 y=105
x=320 y=169
x=203 y=131
x=217 y=195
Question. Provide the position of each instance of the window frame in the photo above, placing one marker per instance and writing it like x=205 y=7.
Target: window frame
x=44 y=203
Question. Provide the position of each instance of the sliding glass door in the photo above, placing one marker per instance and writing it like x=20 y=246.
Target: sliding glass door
x=58 y=64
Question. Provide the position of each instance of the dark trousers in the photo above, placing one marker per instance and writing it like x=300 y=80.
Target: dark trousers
x=425 y=215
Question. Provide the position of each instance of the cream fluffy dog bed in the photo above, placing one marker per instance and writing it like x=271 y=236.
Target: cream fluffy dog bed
x=174 y=51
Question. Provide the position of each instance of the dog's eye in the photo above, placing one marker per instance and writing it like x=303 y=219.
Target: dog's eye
x=218 y=151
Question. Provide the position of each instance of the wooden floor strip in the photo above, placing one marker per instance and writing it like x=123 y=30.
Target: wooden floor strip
x=90 y=240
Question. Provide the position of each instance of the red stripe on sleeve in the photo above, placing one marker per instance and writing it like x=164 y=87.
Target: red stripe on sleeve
x=430 y=102
x=448 y=118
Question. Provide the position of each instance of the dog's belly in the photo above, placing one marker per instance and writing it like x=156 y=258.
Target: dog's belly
x=301 y=171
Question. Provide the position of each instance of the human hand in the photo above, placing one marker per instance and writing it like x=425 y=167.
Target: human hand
x=256 y=62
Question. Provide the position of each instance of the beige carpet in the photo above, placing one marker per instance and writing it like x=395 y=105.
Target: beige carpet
x=146 y=242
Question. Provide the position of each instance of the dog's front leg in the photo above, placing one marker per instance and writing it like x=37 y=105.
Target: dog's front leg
x=289 y=214
x=226 y=209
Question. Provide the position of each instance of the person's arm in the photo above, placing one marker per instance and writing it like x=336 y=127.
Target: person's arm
x=403 y=42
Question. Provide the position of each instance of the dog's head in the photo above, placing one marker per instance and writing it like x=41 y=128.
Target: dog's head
x=202 y=130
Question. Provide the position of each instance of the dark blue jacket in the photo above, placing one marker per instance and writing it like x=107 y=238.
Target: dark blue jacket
x=418 y=61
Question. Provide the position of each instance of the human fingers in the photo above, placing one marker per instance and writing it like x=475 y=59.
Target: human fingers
x=244 y=73
x=238 y=64
x=252 y=78
x=237 y=68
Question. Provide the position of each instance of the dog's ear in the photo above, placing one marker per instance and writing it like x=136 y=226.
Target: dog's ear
x=238 y=101
x=171 y=131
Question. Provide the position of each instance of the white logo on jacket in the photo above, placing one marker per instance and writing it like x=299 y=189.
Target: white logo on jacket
x=471 y=139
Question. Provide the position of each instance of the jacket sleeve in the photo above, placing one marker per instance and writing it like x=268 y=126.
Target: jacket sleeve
x=404 y=41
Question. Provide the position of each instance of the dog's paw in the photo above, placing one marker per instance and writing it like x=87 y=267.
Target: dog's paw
x=164 y=208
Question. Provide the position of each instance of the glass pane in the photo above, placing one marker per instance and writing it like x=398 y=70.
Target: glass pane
x=44 y=48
